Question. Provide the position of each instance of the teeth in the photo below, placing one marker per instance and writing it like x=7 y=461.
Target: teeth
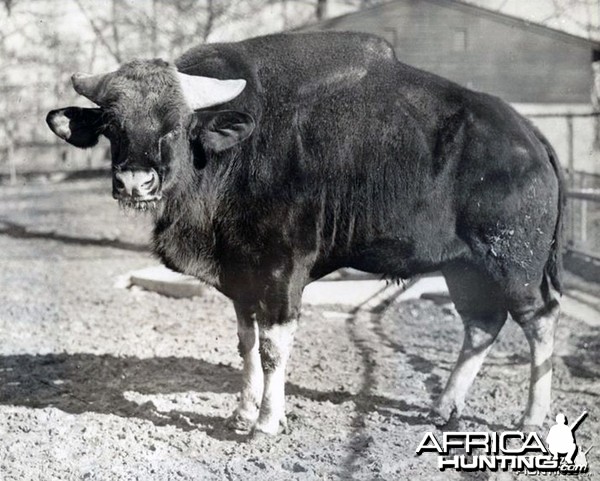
x=137 y=205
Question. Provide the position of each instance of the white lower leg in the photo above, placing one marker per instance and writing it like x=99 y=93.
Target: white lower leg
x=540 y=386
x=479 y=337
x=540 y=335
x=252 y=375
x=275 y=347
x=452 y=399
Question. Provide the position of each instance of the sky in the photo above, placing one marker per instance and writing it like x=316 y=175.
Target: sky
x=571 y=13
x=566 y=15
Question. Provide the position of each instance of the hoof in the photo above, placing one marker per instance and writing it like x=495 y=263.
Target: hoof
x=443 y=415
x=257 y=436
x=262 y=431
x=239 y=423
x=527 y=426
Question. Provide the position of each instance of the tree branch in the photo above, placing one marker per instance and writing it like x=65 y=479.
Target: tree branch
x=115 y=54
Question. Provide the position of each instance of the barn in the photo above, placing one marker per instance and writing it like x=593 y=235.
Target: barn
x=516 y=60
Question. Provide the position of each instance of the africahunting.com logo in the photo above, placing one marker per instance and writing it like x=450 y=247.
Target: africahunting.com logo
x=517 y=451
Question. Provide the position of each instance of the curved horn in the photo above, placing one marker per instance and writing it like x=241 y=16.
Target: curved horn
x=88 y=85
x=202 y=92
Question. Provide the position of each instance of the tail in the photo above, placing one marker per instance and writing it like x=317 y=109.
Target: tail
x=554 y=266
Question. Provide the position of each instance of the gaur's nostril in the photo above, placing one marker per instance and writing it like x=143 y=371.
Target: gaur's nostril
x=150 y=182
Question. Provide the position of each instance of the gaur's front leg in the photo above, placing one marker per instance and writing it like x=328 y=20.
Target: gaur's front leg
x=246 y=413
x=275 y=346
x=277 y=318
x=266 y=331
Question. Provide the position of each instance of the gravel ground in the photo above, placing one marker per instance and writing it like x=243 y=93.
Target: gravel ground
x=105 y=383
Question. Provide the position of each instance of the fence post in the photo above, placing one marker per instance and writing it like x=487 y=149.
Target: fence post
x=584 y=222
x=11 y=163
x=571 y=166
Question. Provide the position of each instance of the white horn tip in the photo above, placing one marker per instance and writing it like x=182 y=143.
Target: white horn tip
x=201 y=92
x=239 y=86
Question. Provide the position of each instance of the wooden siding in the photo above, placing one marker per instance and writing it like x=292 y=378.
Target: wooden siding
x=504 y=58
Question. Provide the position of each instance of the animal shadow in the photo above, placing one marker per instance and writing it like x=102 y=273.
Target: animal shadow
x=79 y=383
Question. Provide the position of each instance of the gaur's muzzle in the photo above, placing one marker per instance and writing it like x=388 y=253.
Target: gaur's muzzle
x=136 y=185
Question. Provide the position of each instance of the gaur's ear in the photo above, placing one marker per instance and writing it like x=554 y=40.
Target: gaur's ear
x=78 y=126
x=221 y=130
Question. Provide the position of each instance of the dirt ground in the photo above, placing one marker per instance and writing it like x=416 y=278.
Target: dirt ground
x=104 y=383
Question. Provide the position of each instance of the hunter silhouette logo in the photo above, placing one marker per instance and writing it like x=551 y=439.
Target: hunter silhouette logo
x=521 y=452
x=561 y=441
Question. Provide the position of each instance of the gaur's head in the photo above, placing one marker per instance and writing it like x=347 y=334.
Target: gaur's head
x=155 y=118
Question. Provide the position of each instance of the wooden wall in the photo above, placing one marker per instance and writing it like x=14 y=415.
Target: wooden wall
x=483 y=52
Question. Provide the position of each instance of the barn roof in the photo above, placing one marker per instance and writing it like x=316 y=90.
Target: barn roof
x=473 y=10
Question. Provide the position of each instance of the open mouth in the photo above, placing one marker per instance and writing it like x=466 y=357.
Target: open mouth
x=140 y=204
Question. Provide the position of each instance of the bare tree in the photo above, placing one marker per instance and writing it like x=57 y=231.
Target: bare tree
x=585 y=14
x=105 y=27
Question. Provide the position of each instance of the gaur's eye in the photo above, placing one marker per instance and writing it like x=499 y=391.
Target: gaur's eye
x=170 y=135
x=111 y=131
x=168 y=138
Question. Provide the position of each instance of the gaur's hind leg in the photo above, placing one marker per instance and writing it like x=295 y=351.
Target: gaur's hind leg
x=483 y=315
x=536 y=310
x=246 y=413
